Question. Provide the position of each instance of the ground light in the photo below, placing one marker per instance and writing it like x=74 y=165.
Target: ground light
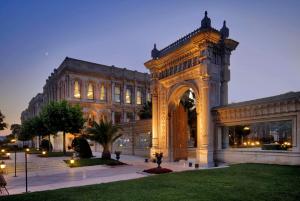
x=8 y=155
x=72 y=161
x=44 y=153
x=2 y=166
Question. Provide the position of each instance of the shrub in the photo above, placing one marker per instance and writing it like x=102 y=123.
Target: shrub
x=82 y=147
x=158 y=170
x=45 y=145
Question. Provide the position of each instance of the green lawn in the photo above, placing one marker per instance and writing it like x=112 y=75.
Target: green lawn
x=239 y=182
x=93 y=161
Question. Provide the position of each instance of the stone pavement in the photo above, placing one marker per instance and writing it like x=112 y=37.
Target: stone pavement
x=53 y=173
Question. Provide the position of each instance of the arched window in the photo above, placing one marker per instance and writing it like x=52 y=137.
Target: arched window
x=148 y=97
x=76 y=89
x=117 y=94
x=139 y=97
x=90 y=93
x=128 y=96
x=102 y=92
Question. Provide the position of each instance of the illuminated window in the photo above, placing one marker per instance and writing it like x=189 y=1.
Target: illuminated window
x=274 y=135
x=90 y=93
x=117 y=94
x=128 y=96
x=148 y=97
x=76 y=89
x=139 y=97
x=102 y=92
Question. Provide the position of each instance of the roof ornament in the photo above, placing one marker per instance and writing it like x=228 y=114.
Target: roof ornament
x=155 y=52
x=205 y=22
x=224 y=31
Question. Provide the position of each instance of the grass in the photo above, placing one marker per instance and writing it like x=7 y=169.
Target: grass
x=247 y=182
x=56 y=154
x=93 y=161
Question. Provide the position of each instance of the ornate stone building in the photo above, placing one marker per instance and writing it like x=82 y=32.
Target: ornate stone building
x=103 y=92
x=198 y=64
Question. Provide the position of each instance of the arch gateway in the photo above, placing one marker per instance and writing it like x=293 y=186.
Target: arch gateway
x=198 y=65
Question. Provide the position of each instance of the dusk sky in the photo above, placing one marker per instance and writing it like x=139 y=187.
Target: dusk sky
x=35 y=37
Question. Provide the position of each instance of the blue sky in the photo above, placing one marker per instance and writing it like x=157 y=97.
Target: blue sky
x=36 y=35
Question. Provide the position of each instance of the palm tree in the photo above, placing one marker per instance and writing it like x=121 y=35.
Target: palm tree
x=105 y=133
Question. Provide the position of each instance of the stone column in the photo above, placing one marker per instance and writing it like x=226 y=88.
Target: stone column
x=225 y=137
x=204 y=153
x=225 y=78
x=154 y=121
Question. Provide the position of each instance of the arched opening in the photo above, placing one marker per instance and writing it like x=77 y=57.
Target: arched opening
x=182 y=123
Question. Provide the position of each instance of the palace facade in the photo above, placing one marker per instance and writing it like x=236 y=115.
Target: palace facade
x=104 y=92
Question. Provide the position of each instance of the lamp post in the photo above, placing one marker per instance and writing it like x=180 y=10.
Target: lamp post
x=15 y=160
x=26 y=179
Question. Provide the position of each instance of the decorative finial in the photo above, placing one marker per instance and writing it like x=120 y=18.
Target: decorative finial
x=224 y=31
x=155 y=52
x=206 y=22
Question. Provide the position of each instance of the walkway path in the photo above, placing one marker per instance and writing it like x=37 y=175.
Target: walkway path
x=52 y=173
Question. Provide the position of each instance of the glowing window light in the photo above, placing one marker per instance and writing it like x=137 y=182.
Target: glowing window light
x=246 y=128
x=90 y=93
x=139 y=97
x=76 y=89
x=102 y=92
x=128 y=96
x=117 y=94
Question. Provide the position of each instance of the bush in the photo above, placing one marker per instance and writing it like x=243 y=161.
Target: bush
x=158 y=170
x=45 y=145
x=82 y=147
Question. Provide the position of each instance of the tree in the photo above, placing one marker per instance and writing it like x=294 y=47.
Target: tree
x=26 y=132
x=3 y=125
x=38 y=127
x=105 y=133
x=62 y=116
x=15 y=129
x=146 y=111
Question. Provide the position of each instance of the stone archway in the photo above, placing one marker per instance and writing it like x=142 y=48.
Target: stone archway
x=200 y=61
x=178 y=129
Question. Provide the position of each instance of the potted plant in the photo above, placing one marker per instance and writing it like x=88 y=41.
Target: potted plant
x=118 y=153
x=158 y=157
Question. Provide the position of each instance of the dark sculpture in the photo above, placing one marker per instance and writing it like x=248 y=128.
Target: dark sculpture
x=158 y=157
x=118 y=153
x=205 y=22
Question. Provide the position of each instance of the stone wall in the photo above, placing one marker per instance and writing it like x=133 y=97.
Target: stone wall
x=136 y=139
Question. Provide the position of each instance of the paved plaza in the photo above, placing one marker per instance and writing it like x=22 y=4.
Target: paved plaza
x=53 y=173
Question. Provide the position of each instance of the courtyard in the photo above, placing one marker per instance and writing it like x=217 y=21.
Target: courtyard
x=48 y=173
x=237 y=182
x=157 y=100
